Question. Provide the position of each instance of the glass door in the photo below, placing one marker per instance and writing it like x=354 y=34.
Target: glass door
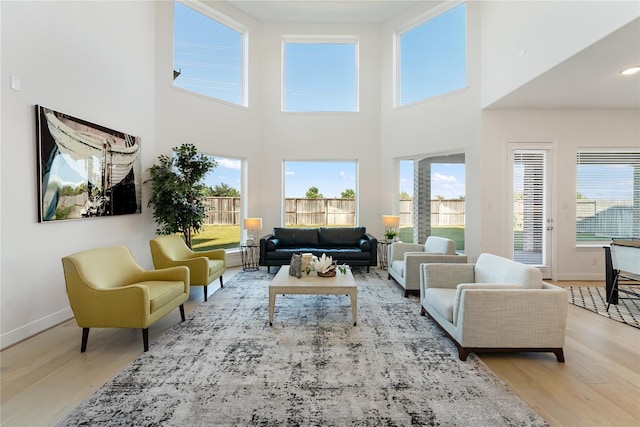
x=532 y=222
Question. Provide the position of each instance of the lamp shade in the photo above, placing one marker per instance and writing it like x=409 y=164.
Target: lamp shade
x=253 y=223
x=391 y=221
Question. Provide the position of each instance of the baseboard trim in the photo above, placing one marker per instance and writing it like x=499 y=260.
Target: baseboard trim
x=583 y=276
x=30 y=329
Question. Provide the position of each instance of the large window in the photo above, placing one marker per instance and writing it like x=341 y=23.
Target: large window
x=607 y=196
x=222 y=201
x=432 y=57
x=208 y=53
x=440 y=209
x=320 y=193
x=320 y=75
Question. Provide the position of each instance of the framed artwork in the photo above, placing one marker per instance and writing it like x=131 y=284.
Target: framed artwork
x=84 y=169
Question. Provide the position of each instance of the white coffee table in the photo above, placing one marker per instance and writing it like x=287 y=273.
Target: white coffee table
x=341 y=284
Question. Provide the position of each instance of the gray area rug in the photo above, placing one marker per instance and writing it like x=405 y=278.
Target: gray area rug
x=594 y=299
x=224 y=366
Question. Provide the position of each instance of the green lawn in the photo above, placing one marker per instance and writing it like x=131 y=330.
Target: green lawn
x=454 y=233
x=216 y=237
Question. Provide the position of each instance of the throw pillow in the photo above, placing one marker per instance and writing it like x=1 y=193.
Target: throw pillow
x=295 y=266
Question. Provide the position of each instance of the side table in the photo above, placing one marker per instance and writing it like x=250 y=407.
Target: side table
x=383 y=250
x=250 y=255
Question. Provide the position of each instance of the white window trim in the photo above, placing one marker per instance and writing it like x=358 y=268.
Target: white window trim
x=222 y=19
x=316 y=39
x=283 y=174
x=408 y=26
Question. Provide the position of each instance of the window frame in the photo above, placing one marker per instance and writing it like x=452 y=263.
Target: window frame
x=412 y=25
x=243 y=198
x=356 y=170
x=319 y=39
x=634 y=159
x=232 y=24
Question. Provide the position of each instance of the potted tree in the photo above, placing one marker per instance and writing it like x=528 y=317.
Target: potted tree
x=177 y=190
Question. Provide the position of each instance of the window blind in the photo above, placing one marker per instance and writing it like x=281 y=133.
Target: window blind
x=607 y=195
x=529 y=206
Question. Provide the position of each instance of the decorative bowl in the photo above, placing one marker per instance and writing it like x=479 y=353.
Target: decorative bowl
x=330 y=273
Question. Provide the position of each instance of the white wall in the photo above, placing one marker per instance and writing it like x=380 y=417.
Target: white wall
x=111 y=63
x=264 y=136
x=93 y=60
x=444 y=125
x=568 y=131
x=523 y=39
x=214 y=127
x=351 y=136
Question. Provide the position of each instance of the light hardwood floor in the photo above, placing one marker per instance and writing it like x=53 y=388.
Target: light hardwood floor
x=46 y=376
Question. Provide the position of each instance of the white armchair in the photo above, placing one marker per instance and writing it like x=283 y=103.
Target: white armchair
x=496 y=305
x=405 y=259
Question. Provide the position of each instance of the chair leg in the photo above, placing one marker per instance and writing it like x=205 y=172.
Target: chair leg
x=85 y=338
x=221 y=285
x=205 y=293
x=145 y=338
x=613 y=289
x=182 y=312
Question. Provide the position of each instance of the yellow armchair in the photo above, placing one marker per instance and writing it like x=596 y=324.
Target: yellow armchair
x=108 y=289
x=205 y=266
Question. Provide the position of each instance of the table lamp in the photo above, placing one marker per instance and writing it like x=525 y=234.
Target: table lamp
x=391 y=224
x=252 y=225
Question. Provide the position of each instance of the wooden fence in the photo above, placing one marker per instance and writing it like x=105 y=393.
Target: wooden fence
x=317 y=212
x=222 y=210
x=443 y=213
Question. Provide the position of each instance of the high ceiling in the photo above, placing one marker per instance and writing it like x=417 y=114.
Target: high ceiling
x=327 y=11
x=588 y=80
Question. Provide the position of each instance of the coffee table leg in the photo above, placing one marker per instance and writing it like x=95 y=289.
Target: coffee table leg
x=272 y=303
x=354 y=306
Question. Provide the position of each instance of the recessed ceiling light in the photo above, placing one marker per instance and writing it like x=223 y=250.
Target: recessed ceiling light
x=631 y=70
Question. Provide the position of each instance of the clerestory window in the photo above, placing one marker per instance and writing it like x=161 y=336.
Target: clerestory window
x=209 y=52
x=319 y=74
x=431 y=55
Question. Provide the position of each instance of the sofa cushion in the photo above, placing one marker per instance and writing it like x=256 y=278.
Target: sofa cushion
x=441 y=299
x=162 y=293
x=341 y=237
x=494 y=269
x=215 y=265
x=296 y=237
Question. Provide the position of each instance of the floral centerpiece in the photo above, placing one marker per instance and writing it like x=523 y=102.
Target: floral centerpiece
x=324 y=266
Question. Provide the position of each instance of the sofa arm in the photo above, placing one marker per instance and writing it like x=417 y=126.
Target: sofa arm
x=374 y=248
x=263 y=248
x=512 y=318
x=398 y=249
x=413 y=260
x=445 y=275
